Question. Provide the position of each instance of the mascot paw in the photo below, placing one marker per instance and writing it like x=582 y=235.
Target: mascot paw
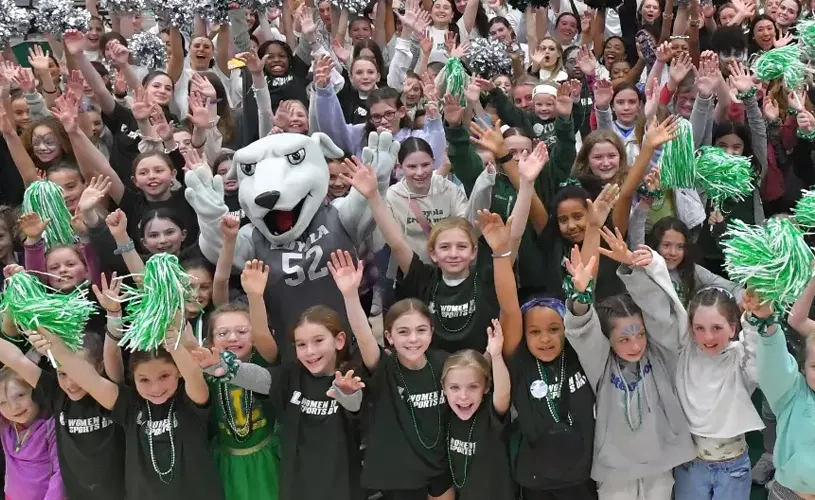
x=205 y=194
x=381 y=153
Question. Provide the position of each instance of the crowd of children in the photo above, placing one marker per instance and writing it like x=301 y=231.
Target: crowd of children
x=555 y=325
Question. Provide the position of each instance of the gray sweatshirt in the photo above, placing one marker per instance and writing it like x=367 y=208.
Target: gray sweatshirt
x=663 y=439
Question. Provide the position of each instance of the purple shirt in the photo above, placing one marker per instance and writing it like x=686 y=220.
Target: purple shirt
x=33 y=472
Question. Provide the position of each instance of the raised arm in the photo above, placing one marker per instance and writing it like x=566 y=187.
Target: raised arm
x=799 y=316
x=175 y=60
x=20 y=157
x=110 y=299
x=348 y=277
x=75 y=44
x=194 y=383
x=12 y=357
x=223 y=268
x=501 y=386
x=253 y=279
x=117 y=224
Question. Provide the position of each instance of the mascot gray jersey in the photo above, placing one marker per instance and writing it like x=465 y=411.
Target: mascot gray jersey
x=283 y=182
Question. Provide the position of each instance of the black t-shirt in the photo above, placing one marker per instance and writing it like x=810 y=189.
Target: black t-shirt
x=479 y=458
x=193 y=473
x=354 y=108
x=407 y=445
x=90 y=447
x=134 y=205
x=461 y=313
x=552 y=455
x=320 y=452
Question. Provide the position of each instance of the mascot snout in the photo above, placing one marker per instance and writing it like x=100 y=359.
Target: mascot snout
x=268 y=199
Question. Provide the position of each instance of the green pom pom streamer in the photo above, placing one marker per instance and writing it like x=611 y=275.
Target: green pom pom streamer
x=784 y=62
x=723 y=176
x=158 y=305
x=456 y=78
x=805 y=210
x=678 y=167
x=28 y=301
x=806 y=35
x=774 y=259
x=46 y=199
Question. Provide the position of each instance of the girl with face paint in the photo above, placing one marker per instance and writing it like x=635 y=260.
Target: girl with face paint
x=628 y=347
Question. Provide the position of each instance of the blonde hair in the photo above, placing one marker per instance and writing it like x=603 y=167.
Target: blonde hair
x=468 y=358
x=581 y=161
x=8 y=375
x=559 y=63
x=449 y=224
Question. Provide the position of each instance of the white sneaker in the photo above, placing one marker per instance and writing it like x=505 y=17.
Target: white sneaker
x=376 y=302
x=763 y=470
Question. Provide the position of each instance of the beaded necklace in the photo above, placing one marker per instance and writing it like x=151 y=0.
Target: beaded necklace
x=413 y=411
x=171 y=420
x=631 y=426
x=19 y=441
x=240 y=433
x=466 y=457
x=436 y=307
x=551 y=395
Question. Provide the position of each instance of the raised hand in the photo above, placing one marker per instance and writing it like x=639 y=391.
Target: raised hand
x=230 y=225
x=342 y=53
x=483 y=84
x=94 y=193
x=141 y=106
x=25 y=80
x=120 y=55
x=680 y=67
x=599 y=209
x=117 y=224
x=664 y=53
x=563 y=100
x=495 y=339
x=193 y=159
x=582 y=272
x=472 y=92
x=806 y=122
x=415 y=18
x=254 y=277
x=282 y=117
x=642 y=256
x=425 y=41
x=252 y=62
x=345 y=274
x=163 y=128
x=12 y=269
x=495 y=232
x=586 y=61
x=782 y=40
x=771 y=110
x=530 y=166
x=461 y=50
x=199 y=111
x=755 y=305
x=740 y=77
x=38 y=59
x=306 y=17
x=658 y=134
x=204 y=86
x=708 y=75
x=347 y=384
x=450 y=39
x=32 y=226
x=453 y=111
x=322 y=72
x=489 y=138
x=618 y=249
x=66 y=110
x=207 y=358
x=603 y=92
x=119 y=83
x=361 y=177
x=109 y=296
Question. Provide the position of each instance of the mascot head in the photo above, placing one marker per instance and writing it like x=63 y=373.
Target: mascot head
x=283 y=180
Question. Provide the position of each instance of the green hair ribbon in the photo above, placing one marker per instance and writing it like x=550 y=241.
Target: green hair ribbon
x=46 y=199
x=804 y=210
x=723 y=176
x=677 y=167
x=158 y=305
x=456 y=78
x=31 y=306
x=783 y=62
x=774 y=259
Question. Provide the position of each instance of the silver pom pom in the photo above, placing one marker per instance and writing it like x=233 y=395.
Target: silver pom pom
x=488 y=58
x=261 y=6
x=132 y=6
x=58 y=16
x=353 y=6
x=148 y=50
x=213 y=11
x=176 y=13
x=14 y=21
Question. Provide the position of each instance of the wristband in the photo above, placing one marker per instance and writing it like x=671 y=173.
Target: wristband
x=742 y=96
x=229 y=362
x=502 y=255
x=763 y=324
x=643 y=191
x=120 y=96
x=112 y=337
x=127 y=247
x=504 y=159
x=792 y=111
x=572 y=294
x=809 y=136
x=49 y=92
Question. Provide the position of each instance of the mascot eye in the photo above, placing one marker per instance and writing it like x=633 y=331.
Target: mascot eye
x=297 y=157
x=248 y=168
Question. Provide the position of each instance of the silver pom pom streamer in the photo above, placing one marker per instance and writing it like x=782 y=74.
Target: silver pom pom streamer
x=352 y=6
x=176 y=13
x=123 y=6
x=488 y=58
x=58 y=16
x=214 y=11
x=148 y=50
x=158 y=305
x=260 y=6
x=14 y=21
x=774 y=259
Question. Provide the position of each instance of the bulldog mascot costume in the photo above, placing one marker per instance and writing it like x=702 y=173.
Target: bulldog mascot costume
x=283 y=183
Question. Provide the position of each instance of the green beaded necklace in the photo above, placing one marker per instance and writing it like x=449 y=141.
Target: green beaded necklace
x=413 y=411
x=466 y=457
x=436 y=305
x=550 y=395
x=240 y=433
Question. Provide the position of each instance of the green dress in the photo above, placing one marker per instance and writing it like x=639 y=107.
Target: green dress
x=246 y=451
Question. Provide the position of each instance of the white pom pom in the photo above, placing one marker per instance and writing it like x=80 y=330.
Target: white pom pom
x=352 y=6
x=214 y=11
x=14 y=21
x=148 y=50
x=58 y=16
x=489 y=58
x=128 y=6
x=176 y=13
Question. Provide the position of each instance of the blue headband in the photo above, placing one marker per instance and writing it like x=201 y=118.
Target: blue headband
x=549 y=302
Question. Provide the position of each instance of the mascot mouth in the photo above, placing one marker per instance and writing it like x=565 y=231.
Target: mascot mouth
x=281 y=221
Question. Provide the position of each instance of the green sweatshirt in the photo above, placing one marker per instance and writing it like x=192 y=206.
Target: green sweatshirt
x=531 y=125
x=467 y=165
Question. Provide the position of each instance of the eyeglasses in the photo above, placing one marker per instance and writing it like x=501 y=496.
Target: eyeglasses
x=226 y=332
x=388 y=116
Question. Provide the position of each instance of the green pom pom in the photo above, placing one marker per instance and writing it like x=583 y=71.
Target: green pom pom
x=677 y=167
x=158 y=305
x=46 y=199
x=784 y=62
x=456 y=78
x=805 y=210
x=806 y=35
x=723 y=176
x=774 y=259
x=28 y=301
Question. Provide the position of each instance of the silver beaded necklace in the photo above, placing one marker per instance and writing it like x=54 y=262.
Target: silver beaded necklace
x=170 y=419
